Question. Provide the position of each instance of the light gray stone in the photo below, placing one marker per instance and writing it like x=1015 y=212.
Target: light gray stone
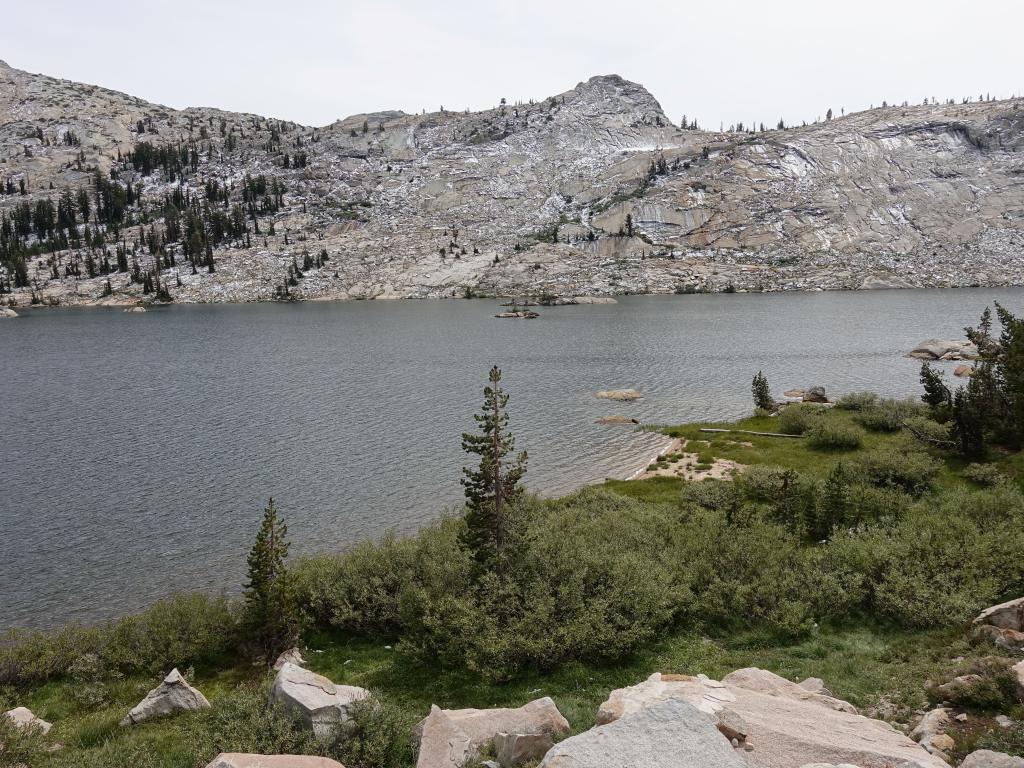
x=174 y=694
x=319 y=703
x=292 y=656
x=22 y=717
x=1008 y=615
x=240 y=760
x=670 y=733
x=984 y=758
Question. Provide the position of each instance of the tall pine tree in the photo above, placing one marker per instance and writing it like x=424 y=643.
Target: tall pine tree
x=270 y=610
x=493 y=486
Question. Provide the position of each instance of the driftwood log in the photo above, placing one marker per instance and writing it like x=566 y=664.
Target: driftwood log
x=748 y=432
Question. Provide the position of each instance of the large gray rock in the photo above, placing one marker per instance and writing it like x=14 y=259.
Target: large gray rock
x=670 y=733
x=291 y=656
x=174 y=694
x=984 y=758
x=931 y=727
x=319 y=703
x=785 y=724
x=1007 y=639
x=6 y=312
x=941 y=349
x=451 y=738
x=239 y=760
x=22 y=717
x=1008 y=615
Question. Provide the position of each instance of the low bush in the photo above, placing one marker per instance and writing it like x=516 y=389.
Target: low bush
x=377 y=736
x=829 y=435
x=857 y=401
x=889 y=415
x=986 y=475
x=797 y=418
x=989 y=686
x=903 y=466
x=182 y=630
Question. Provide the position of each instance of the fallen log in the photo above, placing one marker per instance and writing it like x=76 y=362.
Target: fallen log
x=748 y=432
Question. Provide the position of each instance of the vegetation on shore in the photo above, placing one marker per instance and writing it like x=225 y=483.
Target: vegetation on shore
x=857 y=553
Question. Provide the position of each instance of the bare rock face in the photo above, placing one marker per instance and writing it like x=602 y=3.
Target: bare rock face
x=322 y=705
x=984 y=758
x=668 y=733
x=783 y=724
x=174 y=694
x=451 y=738
x=238 y=760
x=22 y=717
x=590 y=192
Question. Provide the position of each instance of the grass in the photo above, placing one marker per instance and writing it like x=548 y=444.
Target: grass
x=879 y=669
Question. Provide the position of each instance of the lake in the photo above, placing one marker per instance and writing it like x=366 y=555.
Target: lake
x=138 y=450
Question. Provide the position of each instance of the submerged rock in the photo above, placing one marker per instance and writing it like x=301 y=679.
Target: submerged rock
x=174 y=694
x=617 y=420
x=7 y=312
x=619 y=394
x=940 y=349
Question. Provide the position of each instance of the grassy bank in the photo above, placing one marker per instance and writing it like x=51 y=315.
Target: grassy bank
x=611 y=583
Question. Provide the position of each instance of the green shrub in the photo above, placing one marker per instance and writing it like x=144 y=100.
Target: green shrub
x=21 y=746
x=857 y=401
x=986 y=475
x=927 y=429
x=1009 y=741
x=182 y=630
x=711 y=494
x=829 y=435
x=989 y=686
x=948 y=558
x=797 y=418
x=377 y=736
x=903 y=466
x=241 y=721
x=889 y=415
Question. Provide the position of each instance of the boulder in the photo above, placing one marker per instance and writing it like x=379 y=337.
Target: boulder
x=932 y=725
x=318 y=702
x=512 y=749
x=958 y=684
x=619 y=394
x=1018 y=671
x=1008 y=615
x=291 y=656
x=984 y=758
x=1008 y=639
x=815 y=395
x=239 y=760
x=7 y=312
x=22 y=717
x=785 y=724
x=669 y=733
x=617 y=420
x=174 y=694
x=963 y=370
x=451 y=738
x=943 y=349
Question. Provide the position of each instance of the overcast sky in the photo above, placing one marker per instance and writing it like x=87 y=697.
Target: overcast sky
x=314 y=61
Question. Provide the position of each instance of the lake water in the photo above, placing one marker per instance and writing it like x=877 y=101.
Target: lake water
x=138 y=450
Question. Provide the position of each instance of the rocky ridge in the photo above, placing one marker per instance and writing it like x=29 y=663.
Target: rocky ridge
x=591 y=192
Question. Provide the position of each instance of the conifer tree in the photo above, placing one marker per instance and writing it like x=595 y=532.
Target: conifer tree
x=763 y=399
x=833 y=503
x=270 y=610
x=493 y=487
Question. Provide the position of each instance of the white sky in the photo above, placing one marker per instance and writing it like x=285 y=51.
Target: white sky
x=314 y=61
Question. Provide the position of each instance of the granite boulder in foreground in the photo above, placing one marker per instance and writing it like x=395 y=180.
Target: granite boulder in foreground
x=174 y=694
x=319 y=703
x=751 y=716
x=238 y=760
x=452 y=738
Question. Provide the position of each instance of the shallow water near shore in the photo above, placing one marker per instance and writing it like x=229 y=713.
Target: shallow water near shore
x=138 y=450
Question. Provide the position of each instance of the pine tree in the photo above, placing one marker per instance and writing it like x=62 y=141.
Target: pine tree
x=493 y=487
x=270 y=610
x=833 y=504
x=936 y=393
x=763 y=399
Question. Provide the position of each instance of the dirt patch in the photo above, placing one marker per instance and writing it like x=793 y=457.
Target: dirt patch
x=675 y=461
